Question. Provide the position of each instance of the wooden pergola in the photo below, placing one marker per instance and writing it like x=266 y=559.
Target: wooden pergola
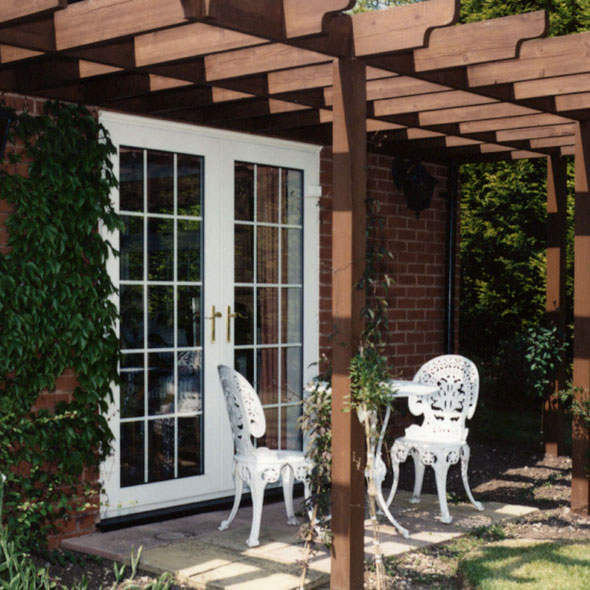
x=406 y=81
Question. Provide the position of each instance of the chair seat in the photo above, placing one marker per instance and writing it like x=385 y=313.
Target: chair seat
x=419 y=434
x=266 y=455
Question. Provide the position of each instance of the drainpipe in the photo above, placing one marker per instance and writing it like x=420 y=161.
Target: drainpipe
x=452 y=198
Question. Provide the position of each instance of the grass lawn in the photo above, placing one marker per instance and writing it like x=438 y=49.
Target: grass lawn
x=520 y=564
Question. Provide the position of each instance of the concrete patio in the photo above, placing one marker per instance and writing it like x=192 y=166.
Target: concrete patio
x=205 y=558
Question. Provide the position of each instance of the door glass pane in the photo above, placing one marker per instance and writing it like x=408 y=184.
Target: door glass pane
x=268 y=261
x=190 y=177
x=131 y=310
x=132 y=385
x=130 y=179
x=267 y=194
x=160 y=249
x=268 y=316
x=163 y=378
x=190 y=460
x=291 y=437
x=160 y=317
x=267 y=255
x=160 y=175
x=244 y=253
x=189 y=382
x=132 y=453
x=189 y=246
x=131 y=255
x=161 y=441
x=268 y=375
x=189 y=316
x=292 y=197
x=244 y=321
x=292 y=256
x=160 y=383
x=244 y=192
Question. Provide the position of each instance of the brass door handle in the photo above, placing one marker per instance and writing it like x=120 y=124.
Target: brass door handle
x=231 y=315
x=213 y=317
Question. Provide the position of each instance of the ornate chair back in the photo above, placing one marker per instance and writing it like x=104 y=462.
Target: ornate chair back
x=446 y=411
x=244 y=409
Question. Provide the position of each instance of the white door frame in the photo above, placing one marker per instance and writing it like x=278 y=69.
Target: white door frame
x=220 y=150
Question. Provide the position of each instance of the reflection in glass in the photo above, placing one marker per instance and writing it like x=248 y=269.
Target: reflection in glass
x=291 y=437
x=292 y=197
x=189 y=316
x=244 y=322
x=160 y=383
x=189 y=179
x=160 y=249
x=291 y=375
x=160 y=186
x=189 y=381
x=130 y=179
x=267 y=255
x=271 y=437
x=244 y=253
x=132 y=454
x=161 y=446
x=267 y=194
x=189 y=447
x=244 y=191
x=189 y=250
x=131 y=250
x=131 y=310
x=132 y=385
x=268 y=375
x=291 y=315
x=267 y=316
x=160 y=317
x=244 y=363
x=292 y=256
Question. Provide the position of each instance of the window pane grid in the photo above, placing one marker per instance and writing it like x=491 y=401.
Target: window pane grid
x=264 y=356
x=159 y=428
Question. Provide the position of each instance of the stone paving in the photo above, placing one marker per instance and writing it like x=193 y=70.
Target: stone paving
x=205 y=558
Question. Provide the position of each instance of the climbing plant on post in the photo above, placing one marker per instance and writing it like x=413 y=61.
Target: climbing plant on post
x=55 y=314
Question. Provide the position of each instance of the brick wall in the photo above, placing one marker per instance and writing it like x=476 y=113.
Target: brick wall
x=80 y=522
x=417 y=299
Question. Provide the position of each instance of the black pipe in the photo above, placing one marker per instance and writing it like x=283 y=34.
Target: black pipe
x=452 y=198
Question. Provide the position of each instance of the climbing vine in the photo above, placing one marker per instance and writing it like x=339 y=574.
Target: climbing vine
x=55 y=314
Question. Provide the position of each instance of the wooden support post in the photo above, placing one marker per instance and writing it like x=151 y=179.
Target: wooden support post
x=580 y=500
x=555 y=303
x=348 y=259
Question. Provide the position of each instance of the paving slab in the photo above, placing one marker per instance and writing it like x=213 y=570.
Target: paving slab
x=203 y=557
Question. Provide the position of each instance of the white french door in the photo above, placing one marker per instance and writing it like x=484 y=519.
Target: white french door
x=218 y=237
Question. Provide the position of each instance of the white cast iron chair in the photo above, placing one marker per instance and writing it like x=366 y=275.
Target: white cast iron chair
x=440 y=441
x=257 y=466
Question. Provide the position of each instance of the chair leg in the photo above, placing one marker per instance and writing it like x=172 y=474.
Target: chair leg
x=465 y=453
x=287 y=477
x=419 y=469
x=257 y=490
x=440 y=472
x=237 y=497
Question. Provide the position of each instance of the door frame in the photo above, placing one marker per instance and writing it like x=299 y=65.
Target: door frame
x=220 y=150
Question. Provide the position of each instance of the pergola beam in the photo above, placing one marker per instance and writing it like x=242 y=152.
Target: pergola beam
x=348 y=262
x=580 y=499
x=14 y=10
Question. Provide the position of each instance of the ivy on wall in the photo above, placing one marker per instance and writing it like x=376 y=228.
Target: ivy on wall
x=55 y=314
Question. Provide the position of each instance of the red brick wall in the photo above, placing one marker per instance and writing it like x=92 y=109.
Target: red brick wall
x=80 y=522
x=417 y=299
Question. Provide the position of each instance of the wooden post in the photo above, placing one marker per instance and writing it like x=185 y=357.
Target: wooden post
x=580 y=500
x=555 y=302
x=348 y=259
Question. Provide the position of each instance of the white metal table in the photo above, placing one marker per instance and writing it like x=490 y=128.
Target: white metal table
x=399 y=388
